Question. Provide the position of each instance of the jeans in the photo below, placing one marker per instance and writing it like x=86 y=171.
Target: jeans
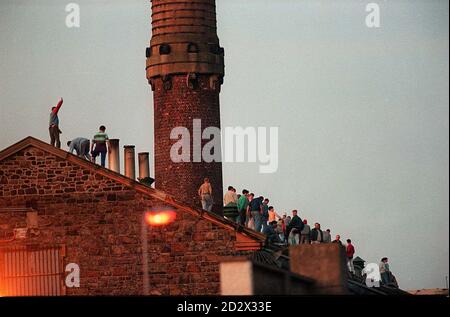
x=304 y=239
x=258 y=220
x=294 y=237
x=264 y=224
x=207 y=202
x=100 y=149
x=241 y=219
x=84 y=151
x=385 y=278
x=54 y=136
x=102 y=157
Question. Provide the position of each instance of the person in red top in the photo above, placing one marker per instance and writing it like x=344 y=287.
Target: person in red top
x=53 y=126
x=350 y=252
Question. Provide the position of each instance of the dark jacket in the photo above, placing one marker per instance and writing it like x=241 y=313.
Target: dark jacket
x=295 y=223
x=315 y=233
x=338 y=242
x=272 y=235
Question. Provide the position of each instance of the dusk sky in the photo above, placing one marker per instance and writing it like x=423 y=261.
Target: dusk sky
x=362 y=112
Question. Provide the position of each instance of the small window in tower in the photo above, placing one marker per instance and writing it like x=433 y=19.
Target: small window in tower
x=164 y=49
x=193 y=48
x=148 y=52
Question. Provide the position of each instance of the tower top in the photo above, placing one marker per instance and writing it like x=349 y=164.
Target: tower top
x=184 y=39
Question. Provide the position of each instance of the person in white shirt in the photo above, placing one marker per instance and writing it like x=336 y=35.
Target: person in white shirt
x=230 y=196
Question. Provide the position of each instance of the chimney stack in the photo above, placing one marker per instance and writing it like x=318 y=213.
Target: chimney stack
x=130 y=158
x=185 y=69
x=144 y=165
x=113 y=155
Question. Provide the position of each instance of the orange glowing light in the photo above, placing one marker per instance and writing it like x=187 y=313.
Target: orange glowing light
x=160 y=218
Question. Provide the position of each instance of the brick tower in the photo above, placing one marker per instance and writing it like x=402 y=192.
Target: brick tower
x=185 y=68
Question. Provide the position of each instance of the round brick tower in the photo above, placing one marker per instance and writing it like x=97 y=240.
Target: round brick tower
x=185 y=68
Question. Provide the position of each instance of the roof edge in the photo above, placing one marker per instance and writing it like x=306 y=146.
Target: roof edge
x=143 y=189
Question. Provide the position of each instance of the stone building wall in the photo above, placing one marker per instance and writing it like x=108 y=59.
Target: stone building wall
x=98 y=220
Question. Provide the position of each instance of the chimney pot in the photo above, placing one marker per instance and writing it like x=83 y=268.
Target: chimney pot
x=144 y=165
x=130 y=158
x=114 y=155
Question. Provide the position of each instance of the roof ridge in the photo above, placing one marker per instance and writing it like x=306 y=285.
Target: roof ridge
x=141 y=188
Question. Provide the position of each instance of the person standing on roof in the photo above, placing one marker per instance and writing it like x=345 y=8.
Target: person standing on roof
x=230 y=197
x=305 y=233
x=338 y=240
x=350 y=251
x=256 y=212
x=265 y=214
x=206 y=195
x=327 y=236
x=316 y=234
x=384 y=271
x=242 y=206
x=273 y=216
x=101 y=143
x=53 y=126
x=294 y=228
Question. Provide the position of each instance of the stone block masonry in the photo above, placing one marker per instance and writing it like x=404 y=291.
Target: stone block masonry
x=98 y=221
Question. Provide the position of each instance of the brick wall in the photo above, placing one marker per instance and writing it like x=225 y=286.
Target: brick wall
x=178 y=107
x=99 y=222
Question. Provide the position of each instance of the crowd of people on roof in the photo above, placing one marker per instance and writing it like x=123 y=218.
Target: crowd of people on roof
x=256 y=213
x=246 y=209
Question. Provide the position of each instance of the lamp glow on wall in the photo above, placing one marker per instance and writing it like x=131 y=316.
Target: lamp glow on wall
x=154 y=218
x=160 y=218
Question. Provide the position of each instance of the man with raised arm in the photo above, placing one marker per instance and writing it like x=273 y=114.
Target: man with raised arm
x=54 y=125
